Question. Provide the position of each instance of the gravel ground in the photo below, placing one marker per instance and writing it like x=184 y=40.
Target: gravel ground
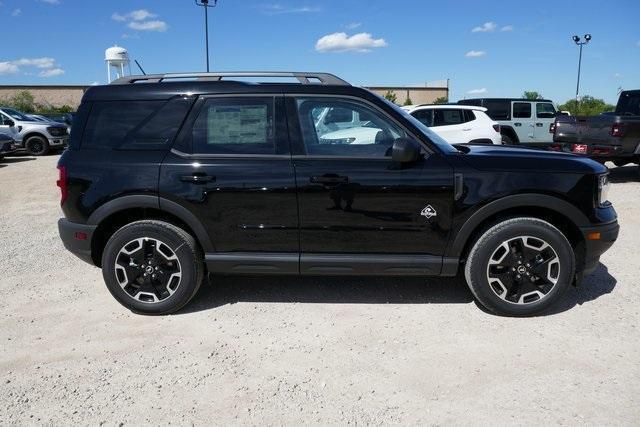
x=312 y=350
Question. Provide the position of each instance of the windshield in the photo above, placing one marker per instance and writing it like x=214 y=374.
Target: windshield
x=17 y=115
x=433 y=137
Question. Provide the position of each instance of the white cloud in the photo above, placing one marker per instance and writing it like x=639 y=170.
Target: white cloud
x=148 y=25
x=43 y=62
x=16 y=12
x=278 y=9
x=507 y=28
x=487 y=27
x=475 y=53
x=477 y=91
x=353 y=25
x=134 y=15
x=341 y=42
x=8 y=68
x=52 y=72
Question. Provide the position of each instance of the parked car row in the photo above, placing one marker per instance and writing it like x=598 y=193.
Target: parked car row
x=36 y=136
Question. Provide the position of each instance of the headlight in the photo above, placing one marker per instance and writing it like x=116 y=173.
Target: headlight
x=603 y=189
x=57 y=131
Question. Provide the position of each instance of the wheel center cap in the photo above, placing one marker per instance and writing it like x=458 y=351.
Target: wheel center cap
x=149 y=269
x=522 y=269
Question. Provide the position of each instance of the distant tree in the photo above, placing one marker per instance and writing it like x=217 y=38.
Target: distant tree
x=23 y=101
x=391 y=96
x=408 y=101
x=588 y=106
x=532 y=95
x=441 y=100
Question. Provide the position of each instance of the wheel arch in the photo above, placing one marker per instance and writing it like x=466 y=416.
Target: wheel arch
x=33 y=133
x=561 y=214
x=126 y=209
x=510 y=132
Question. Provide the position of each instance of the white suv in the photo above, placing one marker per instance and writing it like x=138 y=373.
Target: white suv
x=458 y=124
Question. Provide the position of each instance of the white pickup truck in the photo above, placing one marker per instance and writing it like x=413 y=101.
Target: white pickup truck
x=36 y=137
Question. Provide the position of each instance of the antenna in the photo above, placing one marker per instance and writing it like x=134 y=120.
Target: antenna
x=139 y=66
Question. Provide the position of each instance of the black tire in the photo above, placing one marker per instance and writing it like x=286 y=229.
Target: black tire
x=181 y=245
x=37 y=146
x=507 y=140
x=520 y=274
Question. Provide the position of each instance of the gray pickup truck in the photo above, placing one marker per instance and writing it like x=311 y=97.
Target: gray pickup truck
x=35 y=137
x=613 y=136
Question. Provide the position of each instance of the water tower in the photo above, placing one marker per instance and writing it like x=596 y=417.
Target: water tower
x=117 y=58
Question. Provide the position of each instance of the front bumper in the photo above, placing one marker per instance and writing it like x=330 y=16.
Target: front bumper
x=594 y=247
x=77 y=238
x=7 y=148
x=58 y=141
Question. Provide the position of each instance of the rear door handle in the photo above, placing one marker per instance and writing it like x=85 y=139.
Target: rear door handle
x=467 y=129
x=539 y=125
x=517 y=124
x=197 y=178
x=329 y=178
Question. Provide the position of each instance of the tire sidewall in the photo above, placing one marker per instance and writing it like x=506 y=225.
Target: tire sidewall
x=489 y=242
x=188 y=264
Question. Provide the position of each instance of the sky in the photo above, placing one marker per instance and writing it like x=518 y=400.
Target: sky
x=485 y=48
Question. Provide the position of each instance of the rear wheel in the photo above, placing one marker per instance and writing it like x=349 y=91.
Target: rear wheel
x=152 y=267
x=37 y=146
x=520 y=267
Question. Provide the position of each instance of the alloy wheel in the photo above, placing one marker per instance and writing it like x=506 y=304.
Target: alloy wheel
x=148 y=270
x=523 y=270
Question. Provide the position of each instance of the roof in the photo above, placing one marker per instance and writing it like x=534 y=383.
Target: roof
x=504 y=99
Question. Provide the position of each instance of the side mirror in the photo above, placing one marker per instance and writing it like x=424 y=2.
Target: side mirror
x=405 y=150
x=9 y=123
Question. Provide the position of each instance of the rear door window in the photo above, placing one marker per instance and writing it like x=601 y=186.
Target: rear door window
x=447 y=117
x=521 y=110
x=498 y=109
x=424 y=116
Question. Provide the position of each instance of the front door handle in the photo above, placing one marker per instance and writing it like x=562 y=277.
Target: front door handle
x=329 y=178
x=466 y=129
x=197 y=178
x=539 y=125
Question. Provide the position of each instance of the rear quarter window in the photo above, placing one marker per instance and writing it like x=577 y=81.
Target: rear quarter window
x=134 y=125
x=498 y=109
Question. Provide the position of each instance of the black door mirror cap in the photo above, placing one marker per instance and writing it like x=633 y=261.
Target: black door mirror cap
x=9 y=123
x=405 y=150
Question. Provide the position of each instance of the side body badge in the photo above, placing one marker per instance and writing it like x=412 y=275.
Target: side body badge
x=428 y=212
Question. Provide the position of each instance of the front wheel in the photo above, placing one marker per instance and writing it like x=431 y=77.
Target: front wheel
x=37 y=146
x=520 y=267
x=152 y=267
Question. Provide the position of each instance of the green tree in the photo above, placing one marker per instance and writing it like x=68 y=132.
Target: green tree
x=390 y=96
x=23 y=101
x=408 y=101
x=441 y=100
x=531 y=95
x=588 y=106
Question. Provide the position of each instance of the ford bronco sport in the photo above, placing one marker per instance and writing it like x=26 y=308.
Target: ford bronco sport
x=171 y=176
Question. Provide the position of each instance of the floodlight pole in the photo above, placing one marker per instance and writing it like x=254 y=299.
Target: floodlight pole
x=577 y=40
x=206 y=5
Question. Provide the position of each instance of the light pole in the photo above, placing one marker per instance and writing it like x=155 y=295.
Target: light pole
x=579 y=42
x=206 y=5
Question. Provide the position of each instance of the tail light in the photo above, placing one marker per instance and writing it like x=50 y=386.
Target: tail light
x=496 y=127
x=617 y=130
x=579 y=148
x=552 y=128
x=62 y=183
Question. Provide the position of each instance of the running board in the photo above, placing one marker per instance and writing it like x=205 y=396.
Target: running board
x=329 y=264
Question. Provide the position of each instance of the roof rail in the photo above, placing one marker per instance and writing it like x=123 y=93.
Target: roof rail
x=303 y=78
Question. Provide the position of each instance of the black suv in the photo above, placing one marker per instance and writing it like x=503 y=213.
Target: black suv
x=171 y=176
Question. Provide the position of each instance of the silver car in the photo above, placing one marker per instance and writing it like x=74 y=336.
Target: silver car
x=36 y=137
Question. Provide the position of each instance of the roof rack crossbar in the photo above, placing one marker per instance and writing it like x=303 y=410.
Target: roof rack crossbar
x=302 y=77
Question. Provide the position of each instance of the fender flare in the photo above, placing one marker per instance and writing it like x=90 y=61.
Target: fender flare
x=154 y=202
x=515 y=201
x=510 y=132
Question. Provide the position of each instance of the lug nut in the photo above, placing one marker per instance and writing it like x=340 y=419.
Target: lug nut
x=156 y=268
x=518 y=276
x=513 y=269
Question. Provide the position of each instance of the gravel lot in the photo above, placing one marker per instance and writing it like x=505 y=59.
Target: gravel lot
x=313 y=350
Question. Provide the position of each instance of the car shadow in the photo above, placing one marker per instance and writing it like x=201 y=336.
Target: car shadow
x=9 y=160
x=624 y=174
x=224 y=290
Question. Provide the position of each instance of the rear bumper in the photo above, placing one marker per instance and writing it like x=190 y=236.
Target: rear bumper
x=596 y=247
x=77 y=238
